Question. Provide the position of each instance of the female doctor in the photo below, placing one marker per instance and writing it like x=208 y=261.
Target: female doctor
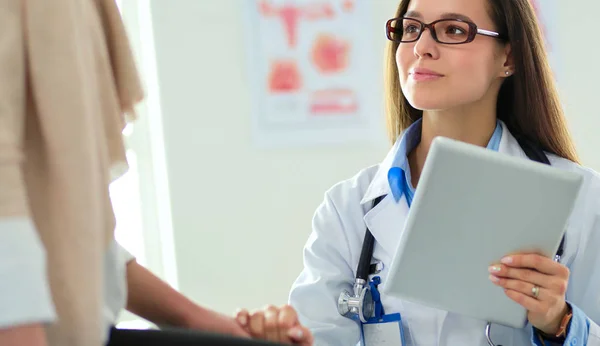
x=476 y=71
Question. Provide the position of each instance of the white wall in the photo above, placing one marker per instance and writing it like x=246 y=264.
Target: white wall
x=241 y=215
x=580 y=74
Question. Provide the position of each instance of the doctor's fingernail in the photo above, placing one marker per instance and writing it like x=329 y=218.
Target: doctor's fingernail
x=494 y=279
x=296 y=334
x=507 y=260
x=494 y=269
x=242 y=320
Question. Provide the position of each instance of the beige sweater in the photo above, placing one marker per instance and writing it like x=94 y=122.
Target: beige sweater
x=68 y=85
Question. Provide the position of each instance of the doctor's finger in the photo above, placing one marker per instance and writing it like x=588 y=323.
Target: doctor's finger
x=544 y=299
x=540 y=263
x=242 y=316
x=256 y=324
x=271 y=323
x=301 y=336
x=287 y=319
x=531 y=304
x=502 y=273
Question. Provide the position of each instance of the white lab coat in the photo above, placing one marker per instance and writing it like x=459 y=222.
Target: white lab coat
x=332 y=252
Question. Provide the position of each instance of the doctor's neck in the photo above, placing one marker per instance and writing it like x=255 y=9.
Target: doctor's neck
x=474 y=125
x=470 y=127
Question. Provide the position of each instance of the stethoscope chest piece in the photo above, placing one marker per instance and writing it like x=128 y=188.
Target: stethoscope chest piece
x=360 y=304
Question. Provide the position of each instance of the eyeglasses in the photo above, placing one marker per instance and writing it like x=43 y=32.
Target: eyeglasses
x=446 y=31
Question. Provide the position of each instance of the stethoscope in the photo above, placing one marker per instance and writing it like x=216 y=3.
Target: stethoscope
x=360 y=303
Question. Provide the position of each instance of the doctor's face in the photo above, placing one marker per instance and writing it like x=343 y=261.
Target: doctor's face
x=438 y=76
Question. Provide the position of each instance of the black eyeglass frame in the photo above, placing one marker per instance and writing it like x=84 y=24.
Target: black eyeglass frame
x=473 y=30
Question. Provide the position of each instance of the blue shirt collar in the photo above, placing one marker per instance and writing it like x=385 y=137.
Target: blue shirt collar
x=399 y=177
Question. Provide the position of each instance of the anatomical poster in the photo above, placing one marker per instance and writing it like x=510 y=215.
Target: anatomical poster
x=313 y=71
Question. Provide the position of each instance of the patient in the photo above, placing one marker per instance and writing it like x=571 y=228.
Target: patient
x=68 y=86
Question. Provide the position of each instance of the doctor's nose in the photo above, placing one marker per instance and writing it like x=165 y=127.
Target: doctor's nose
x=426 y=46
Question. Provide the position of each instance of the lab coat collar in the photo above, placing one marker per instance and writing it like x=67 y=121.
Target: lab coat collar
x=380 y=186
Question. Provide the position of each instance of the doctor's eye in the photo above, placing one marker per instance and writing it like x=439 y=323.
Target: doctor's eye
x=454 y=30
x=411 y=28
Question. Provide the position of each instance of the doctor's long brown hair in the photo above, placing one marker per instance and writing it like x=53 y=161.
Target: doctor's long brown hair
x=528 y=101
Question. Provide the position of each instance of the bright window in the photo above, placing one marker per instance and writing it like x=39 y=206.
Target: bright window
x=141 y=197
x=126 y=199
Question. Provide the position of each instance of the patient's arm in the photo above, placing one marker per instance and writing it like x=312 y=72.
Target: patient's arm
x=153 y=299
x=31 y=335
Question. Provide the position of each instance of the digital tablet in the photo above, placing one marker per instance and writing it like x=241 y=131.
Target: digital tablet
x=472 y=207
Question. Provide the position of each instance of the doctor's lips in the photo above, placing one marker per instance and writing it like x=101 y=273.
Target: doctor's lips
x=423 y=74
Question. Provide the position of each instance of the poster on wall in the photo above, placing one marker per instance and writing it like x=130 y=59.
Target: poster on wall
x=547 y=13
x=313 y=72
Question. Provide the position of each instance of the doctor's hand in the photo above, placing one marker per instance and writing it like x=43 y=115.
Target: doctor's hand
x=279 y=325
x=537 y=283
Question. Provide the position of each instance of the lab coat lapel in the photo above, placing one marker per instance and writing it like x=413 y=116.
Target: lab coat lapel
x=386 y=223
x=386 y=220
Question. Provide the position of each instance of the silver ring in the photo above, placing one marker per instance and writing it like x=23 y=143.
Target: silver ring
x=535 y=291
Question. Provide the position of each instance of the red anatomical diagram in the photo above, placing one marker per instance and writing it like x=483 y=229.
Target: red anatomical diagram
x=333 y=101
x=348 y=5
x=330 y=54
x=284 y=76
x=291 y=14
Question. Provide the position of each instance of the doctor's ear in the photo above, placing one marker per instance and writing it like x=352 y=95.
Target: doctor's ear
x=508 y=66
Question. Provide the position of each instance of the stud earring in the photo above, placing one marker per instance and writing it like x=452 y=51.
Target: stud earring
x=507 y=73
